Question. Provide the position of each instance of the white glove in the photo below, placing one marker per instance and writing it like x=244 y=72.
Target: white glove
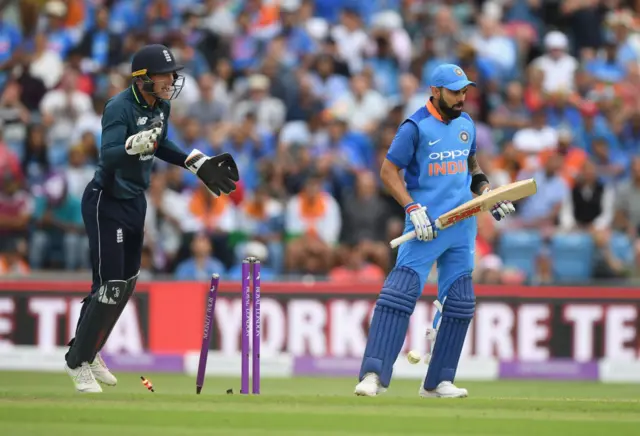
x=143 y=142
x=423 y=225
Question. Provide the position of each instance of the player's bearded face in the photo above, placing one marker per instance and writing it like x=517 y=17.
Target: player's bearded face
x=451 y=103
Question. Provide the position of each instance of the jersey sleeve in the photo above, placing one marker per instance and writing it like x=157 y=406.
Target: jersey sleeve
x=404 y=145
x=473 y=148
x=171 y=152
x=114 y=136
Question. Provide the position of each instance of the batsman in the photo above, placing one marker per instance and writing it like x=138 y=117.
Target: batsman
x=436 y=149
x=134 y=131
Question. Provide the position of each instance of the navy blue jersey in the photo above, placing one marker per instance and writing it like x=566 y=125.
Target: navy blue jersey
x=127 y=176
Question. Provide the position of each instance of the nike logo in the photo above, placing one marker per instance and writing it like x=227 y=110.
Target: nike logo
x=435 y=142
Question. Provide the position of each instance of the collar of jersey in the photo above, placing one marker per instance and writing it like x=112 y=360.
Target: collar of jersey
x=138 y=98
x=434 y=112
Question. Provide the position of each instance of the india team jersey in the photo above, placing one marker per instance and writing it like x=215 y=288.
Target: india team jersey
x=434 y=156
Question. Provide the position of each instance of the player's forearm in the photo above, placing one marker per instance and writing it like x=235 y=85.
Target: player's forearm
x=393 y=181
x=479 y=181
x=170 y=152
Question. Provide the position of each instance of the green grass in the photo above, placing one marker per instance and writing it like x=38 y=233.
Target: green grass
x=46 y=404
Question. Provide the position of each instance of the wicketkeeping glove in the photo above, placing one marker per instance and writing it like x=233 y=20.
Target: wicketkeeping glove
x=218 y=173
x=144 y=142
x=424 y=226
x=501 y=209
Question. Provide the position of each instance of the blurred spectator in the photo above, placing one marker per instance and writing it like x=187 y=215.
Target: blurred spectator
x=12 y=263
x=270 y=112
x=355 y=267
x=208 y=110
x=361 y=231
x=628 y=202
x=16 y=206
x=351 y=39
x=216 y=218
x=539 y=137
x=573 y=158
x=542 y=210
x=512 y=115
x=79 y=172
x=14 y=116
x=60 y=109
x=261 y=219
x=201 y=264
x=590 y=204
x=312 y=226
x=35 y=159
x=327 y=84
x=100 y=47
x=363 y=106
x=167 y=218
x=45 y=64
x=557 y=65
x=59 y=227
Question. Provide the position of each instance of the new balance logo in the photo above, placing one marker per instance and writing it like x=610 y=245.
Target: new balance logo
x=142 y=121
x=167 y=56
x=119 y=236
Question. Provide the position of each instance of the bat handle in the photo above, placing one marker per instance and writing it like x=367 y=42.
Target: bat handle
x=402 y=239
x=409 y=236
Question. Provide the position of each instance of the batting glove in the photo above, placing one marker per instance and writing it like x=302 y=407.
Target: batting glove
x=424 y=226
x=501 y=209
x=144 y=142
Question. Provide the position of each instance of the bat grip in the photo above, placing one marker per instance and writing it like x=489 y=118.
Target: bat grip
x=409 y=236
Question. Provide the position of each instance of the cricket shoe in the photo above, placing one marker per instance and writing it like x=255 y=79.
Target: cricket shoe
x=101 y=372
x=445 y=389
x=369 y=386
x=83 y=378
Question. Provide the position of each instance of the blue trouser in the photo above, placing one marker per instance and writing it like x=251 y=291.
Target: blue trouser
x=453 y=250
x=115 y=228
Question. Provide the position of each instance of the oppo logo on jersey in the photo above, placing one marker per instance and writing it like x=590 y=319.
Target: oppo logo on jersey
x=453 y=166
x=450 y=154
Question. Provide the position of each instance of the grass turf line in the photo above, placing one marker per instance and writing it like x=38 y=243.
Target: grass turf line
x=41 y=403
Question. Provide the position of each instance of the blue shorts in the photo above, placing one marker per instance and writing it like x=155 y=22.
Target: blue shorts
x=453 y=249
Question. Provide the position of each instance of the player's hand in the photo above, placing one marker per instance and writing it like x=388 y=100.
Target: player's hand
x=218 y=173
x=501 y=209
x=144 y=142
x=424 y=226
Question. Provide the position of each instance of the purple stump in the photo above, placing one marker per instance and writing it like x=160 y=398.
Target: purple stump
x=244 y=376
x=206 y=335
x=256 y=328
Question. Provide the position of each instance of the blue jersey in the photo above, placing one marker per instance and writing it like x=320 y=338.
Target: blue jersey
x=434 y=155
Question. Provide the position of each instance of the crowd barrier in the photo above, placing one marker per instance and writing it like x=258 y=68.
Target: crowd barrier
x=320 y=329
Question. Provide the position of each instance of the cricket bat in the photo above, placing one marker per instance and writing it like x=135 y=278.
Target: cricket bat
x=482 y=203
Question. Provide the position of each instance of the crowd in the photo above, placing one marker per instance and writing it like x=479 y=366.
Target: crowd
x=307 y=96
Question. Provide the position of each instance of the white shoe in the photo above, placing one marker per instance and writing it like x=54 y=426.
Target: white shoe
x=101 y=372
x=445 y=389
x=83 y=378
x=369 y=386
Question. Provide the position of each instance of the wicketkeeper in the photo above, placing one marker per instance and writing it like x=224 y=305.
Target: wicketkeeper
x=134 y=131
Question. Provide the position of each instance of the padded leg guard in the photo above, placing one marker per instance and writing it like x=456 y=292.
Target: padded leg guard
x=130 y=289
x=390 y=322
x=101 y=314
x=457 y=313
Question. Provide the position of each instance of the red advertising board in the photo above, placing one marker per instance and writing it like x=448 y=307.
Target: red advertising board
x=320 y=319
